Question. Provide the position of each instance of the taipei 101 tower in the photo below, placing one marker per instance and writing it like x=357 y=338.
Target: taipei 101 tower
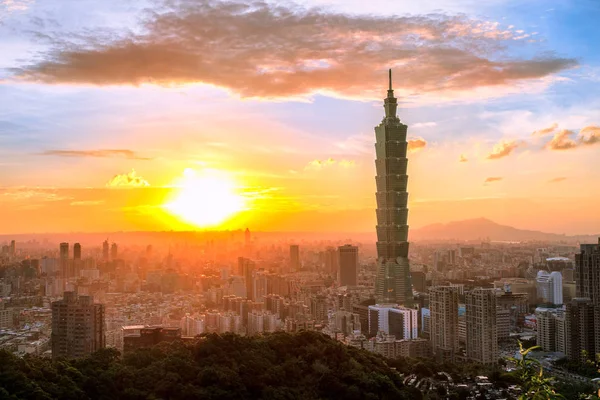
x=393 y=284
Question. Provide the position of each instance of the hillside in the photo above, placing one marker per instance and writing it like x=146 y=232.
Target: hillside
x=279 y=366
x=482 y=228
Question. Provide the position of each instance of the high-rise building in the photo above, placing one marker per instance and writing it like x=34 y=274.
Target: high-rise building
x=550 y=287
x=581 y=330
x=348 y=265
x=393 y=283
x=247 y=239
x=345 y=322
x=77 y=251
x=551 y=329
x=401 y=322
x=77 y=326
x=583 y=312
x=404 y=323
x=13 y=248
x=482 y=331
x=247 y=270
x=318 y=308
x=294 y=257
x=419 y=280
x=331 y=261
x=64 y=251
x=114 y=251
x=105 y=253
x=443 y=321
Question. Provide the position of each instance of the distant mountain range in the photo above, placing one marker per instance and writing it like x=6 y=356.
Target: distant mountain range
x=483 y=229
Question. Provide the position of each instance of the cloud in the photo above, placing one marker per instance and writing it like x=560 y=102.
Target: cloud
x=131 y=179
x=562 y=141
x=545 y=131
x=94 y=153
x=347 y=163
x=463 y=158
x=320 y=164
x=556 y=180
x=424 y=125
x=503 y=149
x=493 y=179
x=30 y=194
x=416 y=144
x=87 y=203
x=589 y=135
x=15 y=5
x=261 y=49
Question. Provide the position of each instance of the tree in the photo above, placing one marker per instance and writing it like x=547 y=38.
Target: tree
x=536 y=386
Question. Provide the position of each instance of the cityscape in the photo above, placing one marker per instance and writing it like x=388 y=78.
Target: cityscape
x=207 y=288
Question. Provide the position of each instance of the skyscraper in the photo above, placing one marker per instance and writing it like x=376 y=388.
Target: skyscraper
x=77 y=326
x=348 y=262
x=393 y=284
x=482 y=331
x=105 y=253
x=443 y=321
x=294 y=257
x=114 y=251
x=64 y=251
x=583 y=312
x=77 y=251
x=550 y=287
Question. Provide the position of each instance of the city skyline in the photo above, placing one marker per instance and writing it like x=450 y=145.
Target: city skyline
x=500 y=103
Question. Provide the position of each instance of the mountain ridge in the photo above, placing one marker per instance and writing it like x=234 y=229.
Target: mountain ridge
x=484 y=229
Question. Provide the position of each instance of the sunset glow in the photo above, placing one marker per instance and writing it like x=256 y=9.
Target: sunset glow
x=205 y=199
x=500 y=102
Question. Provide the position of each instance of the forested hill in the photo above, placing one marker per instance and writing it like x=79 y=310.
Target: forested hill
x=278 y=366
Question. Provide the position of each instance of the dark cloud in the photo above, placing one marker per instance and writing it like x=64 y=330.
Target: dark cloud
x=95 y=153
x=258 y=49
x=493 y=179
x=503 y=149
x=562 y=141
x=416 y=144
x=556 y=180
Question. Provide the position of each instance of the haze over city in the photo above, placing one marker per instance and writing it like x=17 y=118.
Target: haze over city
x=143 y=115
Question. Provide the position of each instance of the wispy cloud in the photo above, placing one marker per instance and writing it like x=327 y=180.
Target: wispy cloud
x=15 y=5
x=320 y=164
x=504 y=149
x=264 y=49
x=558 y=179
x=95 y=153
x=463 y=158
x=31 y=195
x=132 y=179
x=416 y=144
x=545 y=131
x=424 y=125
x=493 y=179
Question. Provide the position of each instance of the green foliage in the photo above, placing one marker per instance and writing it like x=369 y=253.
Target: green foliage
x=306 y=365
x=531 y=373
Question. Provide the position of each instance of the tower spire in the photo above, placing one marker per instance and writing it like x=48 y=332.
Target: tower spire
x=390 y=103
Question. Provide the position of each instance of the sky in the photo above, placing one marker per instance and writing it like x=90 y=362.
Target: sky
x=202 y=114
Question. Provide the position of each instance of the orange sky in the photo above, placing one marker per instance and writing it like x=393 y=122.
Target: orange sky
x=503 y=117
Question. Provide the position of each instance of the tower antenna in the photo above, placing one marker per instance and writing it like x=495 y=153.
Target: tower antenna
x=390 y=71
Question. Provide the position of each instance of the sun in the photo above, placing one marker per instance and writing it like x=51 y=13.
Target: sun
x=205 y=199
